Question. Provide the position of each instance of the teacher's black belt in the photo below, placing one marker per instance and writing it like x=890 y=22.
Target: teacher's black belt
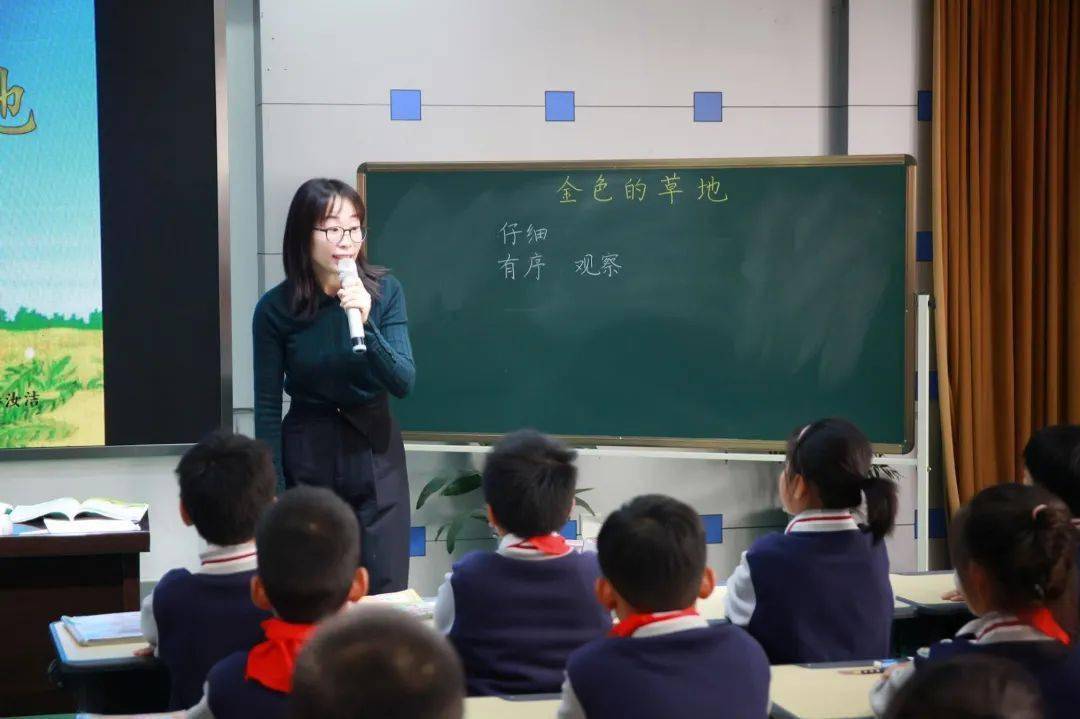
x=371 y=419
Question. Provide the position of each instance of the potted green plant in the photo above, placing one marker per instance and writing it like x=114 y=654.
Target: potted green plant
x=467 y=483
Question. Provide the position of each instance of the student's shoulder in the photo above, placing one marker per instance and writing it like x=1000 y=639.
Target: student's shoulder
x=475 y=562
x=228 y=671
x=739 y=641
x=171 y=582
x=772 y=543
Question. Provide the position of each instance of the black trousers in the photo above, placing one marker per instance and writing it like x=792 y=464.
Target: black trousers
x=320 y=447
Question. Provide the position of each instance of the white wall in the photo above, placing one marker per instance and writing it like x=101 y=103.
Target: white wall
x=309 y=88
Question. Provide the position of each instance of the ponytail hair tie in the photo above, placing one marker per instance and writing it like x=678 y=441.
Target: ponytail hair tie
x=1035 y=512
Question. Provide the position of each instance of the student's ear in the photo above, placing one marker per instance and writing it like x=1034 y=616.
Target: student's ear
x=184 y=516
x=797 y=487
x=606 y=595
x=977 y=588
x=708 y=583
x=491 y=519
x=258 y=595
x=359 y=588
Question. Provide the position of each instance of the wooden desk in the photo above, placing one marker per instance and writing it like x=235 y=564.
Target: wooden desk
x=821 y=691
x=923 y=591
x=44 y=576
x=544 y=706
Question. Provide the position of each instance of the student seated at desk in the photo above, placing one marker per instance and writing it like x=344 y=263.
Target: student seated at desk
x=516 y=614
x=309 y=555
x=820 y=592
x=409 y=671
x=1013 y=547
x=194 y=620
x=969 y=687
x=662 y=659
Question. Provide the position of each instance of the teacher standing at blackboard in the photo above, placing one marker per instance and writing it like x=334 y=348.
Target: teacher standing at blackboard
x=339 y=432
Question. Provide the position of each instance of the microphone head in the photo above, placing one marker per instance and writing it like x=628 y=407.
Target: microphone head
x=347 y=268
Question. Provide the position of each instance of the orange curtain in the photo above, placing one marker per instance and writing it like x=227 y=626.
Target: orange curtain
x=1006 y=213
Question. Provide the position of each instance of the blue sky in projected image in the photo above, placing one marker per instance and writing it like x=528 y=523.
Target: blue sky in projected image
x=50 y=217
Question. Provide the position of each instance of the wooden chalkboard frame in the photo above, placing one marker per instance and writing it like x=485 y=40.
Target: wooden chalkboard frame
x=716 y=444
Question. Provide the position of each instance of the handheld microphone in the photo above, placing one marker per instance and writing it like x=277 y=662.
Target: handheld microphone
x=347 y=268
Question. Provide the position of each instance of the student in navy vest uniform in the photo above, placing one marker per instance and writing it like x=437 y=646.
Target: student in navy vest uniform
x=820 y=592
x=1014 y=550
x=969 y=687
x=377 y=663
x=662 y=659
x=193 y=620
x=515 y=615
x=309 y=554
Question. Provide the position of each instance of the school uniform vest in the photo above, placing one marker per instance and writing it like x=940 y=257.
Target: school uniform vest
x=708 y=672
x=1055 y=667
x=516 y=621
x=231 y=696
x=201 y=619
x=821 y=597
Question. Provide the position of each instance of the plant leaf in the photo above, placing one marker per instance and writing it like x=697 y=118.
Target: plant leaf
x=429 y=489
x=454 y=530
x=438 y=533
x=584 y=505
x=462 y=485
x=583 y=489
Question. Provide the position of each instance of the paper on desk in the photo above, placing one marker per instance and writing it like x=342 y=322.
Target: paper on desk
x=89 y=526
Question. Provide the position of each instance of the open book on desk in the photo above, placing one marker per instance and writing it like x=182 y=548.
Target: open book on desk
x=70 y=508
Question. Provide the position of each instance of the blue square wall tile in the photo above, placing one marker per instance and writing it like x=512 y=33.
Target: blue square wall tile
x=714 y=528
x=417 y=542
x=559 y=105
x=925 y=110
x=569 y=530
x=708 y=107
x=404 y=104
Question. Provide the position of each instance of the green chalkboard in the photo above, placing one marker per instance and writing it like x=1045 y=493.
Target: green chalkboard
x=714 y=303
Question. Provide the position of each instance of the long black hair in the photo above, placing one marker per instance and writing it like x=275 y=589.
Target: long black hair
x=835 y=457
x=313 y=201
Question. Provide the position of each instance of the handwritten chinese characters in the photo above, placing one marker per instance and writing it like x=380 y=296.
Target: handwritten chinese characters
x=533 y=261
x=636 y=189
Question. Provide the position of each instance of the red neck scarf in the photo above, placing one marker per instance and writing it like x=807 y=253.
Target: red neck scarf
x=271 y=662
x=634 y=622
x=553 y=544
x=1042 y=620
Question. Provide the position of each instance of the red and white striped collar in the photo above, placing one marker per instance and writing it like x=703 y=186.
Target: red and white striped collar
x=822 y=520
x=662 y=623
x=996 y=627
x=228 y=560
x=513 y=546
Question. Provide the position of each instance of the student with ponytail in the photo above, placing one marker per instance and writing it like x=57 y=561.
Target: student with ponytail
x=820 y=591
x=1013 y=548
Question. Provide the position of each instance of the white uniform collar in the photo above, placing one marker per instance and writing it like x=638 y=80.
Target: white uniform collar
x=822 y=520
x=507 y=549
x=228 y=560
x=670 y=626
x=996 y=627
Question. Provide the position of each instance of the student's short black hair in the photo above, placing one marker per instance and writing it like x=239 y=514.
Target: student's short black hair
x=1052 y=457
x=529 y=481
x=308 y=546
x=652 y=550
x=835 y=457
x=1023 y=538
x=970 y=686
x=377 y=663
x=226 y=482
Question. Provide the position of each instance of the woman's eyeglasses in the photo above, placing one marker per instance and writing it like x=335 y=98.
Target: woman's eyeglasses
x=334 y=235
